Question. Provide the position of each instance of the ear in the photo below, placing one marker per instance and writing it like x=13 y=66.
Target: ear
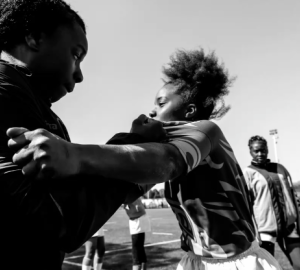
x=190 y=111
x=33 y=42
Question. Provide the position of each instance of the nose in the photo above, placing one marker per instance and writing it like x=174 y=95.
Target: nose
x=78 y=76
x=152 y=114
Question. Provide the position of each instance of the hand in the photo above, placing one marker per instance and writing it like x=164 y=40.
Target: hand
x=42 y=154
x=149 y=128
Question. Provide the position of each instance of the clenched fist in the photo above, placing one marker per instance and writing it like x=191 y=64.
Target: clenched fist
x=41 y=154
x=150 y=129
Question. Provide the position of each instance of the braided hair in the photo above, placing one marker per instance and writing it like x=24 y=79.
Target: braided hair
x=257 y=138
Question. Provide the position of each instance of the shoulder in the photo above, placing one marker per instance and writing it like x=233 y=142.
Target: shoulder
x=209 y=128
x=249 y=172
x=282 y=170
x=205 y=126
x=279 y=166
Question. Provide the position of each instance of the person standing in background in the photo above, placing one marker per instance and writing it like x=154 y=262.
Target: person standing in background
x=94 y=251
x=139 y=224
x=274 y=202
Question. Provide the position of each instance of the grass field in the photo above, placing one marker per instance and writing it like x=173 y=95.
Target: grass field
x=162 y=244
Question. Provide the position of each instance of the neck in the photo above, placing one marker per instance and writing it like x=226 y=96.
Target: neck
x=260 y=164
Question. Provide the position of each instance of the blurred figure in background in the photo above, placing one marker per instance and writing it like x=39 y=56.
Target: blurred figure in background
x=94 y=251
x=274 y=202
x=139 y=224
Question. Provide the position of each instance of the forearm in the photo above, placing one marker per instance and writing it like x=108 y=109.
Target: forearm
x=141 y=163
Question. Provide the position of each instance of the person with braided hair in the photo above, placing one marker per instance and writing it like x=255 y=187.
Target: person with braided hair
x=204 y=184
x=274 y=202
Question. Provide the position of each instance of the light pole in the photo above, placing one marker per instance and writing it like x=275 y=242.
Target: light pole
x=275 y=137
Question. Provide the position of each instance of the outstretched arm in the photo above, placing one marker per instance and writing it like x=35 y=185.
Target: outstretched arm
x=46 y=155
x=141 y=163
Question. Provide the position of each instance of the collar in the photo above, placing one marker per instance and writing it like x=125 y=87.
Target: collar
x=20 y=68
x=263 y=165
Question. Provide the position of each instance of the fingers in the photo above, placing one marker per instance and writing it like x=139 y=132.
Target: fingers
x=15 y=131
x=23 y=156
x=21 y=137
x=45 y=173
x=30 y=169
x=142 y=119
x=139 y=121
x=17 y=138
x=38 y=170
x=18 y=142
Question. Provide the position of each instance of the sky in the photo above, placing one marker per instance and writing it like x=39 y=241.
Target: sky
x=130 y=41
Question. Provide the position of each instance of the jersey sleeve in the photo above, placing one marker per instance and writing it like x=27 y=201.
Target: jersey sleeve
x=194 y=140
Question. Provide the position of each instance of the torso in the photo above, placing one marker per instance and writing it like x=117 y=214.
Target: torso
x=211 y=202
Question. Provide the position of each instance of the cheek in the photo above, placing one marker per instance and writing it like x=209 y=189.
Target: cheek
x=64 y=71
x=170 y=113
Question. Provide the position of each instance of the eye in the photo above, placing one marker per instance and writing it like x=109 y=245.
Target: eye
x=161 y=104
x=76 y=56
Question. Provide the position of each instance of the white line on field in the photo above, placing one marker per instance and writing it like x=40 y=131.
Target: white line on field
x=72 y=263
x=162 y=233
x=163 y=243
x=129 y=248
x=77 y=264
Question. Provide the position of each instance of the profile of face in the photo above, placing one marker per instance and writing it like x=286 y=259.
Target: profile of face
x=259 y=152
x=56 y=61
x=168 y=105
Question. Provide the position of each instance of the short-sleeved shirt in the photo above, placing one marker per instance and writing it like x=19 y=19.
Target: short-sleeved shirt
x=211 y=201
x=135 y=209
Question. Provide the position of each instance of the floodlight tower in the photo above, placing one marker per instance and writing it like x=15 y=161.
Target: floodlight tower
x=275 y=137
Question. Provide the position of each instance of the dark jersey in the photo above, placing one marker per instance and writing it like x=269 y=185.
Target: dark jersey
x=39 y=218
x=211 y=202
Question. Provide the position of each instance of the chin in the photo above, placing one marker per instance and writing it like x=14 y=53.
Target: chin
x=261 y=161
x=56 y=98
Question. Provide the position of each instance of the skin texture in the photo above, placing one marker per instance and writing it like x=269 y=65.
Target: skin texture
x=259 y=152
x=50 y=157
x=168 y=106
x=55 y=61
x=52 y=60
x=47 y=156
